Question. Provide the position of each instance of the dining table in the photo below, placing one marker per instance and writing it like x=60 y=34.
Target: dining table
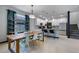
x=16 y=38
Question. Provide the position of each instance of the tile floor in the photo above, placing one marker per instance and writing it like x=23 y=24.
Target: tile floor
x=51 y=45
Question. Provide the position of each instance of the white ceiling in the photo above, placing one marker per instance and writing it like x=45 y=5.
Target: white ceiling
x=48 y=10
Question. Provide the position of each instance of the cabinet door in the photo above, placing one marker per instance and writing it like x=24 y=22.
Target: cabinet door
x=27 y=23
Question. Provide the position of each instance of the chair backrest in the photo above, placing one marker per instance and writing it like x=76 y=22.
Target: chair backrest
x=45 y=30
x=51 y=31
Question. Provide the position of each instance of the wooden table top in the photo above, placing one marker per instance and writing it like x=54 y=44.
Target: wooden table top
x=17 y=36
x=21 y=35
x=33 y=32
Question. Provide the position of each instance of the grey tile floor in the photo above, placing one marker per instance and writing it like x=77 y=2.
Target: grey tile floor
x=51 y=45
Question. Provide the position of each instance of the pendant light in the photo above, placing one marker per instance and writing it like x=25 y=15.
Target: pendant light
x=32 y=15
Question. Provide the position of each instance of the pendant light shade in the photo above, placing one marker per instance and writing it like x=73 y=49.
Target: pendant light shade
x=31 y=16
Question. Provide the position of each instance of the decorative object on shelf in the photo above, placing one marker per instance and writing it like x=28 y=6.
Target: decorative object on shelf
x=19 y=23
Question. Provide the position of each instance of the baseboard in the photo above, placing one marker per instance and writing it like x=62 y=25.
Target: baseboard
x=3 y=42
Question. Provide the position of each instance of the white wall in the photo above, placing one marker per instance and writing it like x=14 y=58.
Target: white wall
x=74 y=18
x=3 y=21
x=54 y=22
x=32 y=24
x=38 y=21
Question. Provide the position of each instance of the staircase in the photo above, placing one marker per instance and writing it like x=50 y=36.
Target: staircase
x=74 y=31
x=75 y=34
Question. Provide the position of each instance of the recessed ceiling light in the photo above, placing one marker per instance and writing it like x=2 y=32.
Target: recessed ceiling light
x=52 y=17
x=40 y=15
x=61 y=15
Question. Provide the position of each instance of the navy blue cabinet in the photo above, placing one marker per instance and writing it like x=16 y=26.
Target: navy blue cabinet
x=10 y=21
x=27 y=23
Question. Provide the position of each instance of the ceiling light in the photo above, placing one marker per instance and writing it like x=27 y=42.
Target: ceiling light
x=53 y=19
x=32 y=15
x=61 y=15
x=40 y=15
x=46 y=20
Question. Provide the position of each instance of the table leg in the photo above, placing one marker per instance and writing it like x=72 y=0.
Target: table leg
x=17 y=46
x=9 y=43
x=43 y=34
